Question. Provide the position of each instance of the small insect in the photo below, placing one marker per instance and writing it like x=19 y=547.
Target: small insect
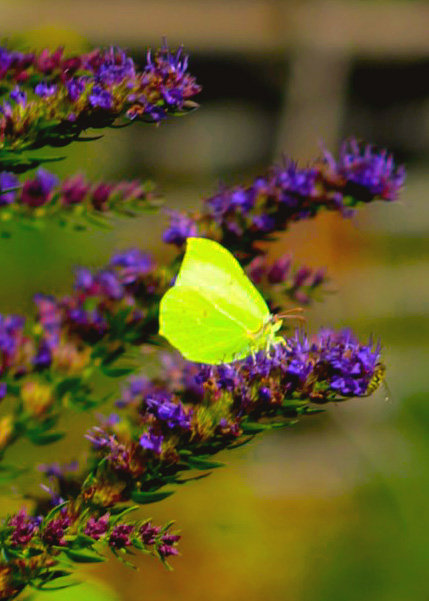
x=214 y=314
x=377 y=379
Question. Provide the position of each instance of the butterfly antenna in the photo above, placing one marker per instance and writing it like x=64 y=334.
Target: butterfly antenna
x=294 y=314
x=290 y=312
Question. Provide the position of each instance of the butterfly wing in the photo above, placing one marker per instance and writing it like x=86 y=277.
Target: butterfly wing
x=212 y=270
x=200 y=329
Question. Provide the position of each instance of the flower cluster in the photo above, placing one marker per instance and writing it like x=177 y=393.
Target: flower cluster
x=299 y=284
x=177 y=421
x=240 y=216
x=363 y=173
x=51 y=99
x=44 y=196
x=103 y=305
x=39 y=548
x=172 y=425
x=70 y=337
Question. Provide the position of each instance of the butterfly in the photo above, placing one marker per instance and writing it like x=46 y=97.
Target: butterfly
x=214 y=314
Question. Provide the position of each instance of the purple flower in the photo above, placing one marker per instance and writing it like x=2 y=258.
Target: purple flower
x=242 y=199
x=257 y=269
x=167 y=71
x=6 y=109
x=160 y=405
x=11 y=329
x=132 y=265
x=100 y=196
x=43 y=357
x=19 y=96
x=293 y=182
x=24 y=527
x=167 y=548
x=45 y=89
x=110 y=285
x=349 y=365
x=120 y=536
x=136 y=388
x=50 y=317
x=7 y=181
x=74 y=190
x=37 y=191
x=100 y=98
x=152 y=442
x=96 y=528
x=75 y=88
x=301 y=276
x=6 y=59
x=100 y=439
x=54 y=531
x=57 y=470
x=368 y=173
x=148 y=533
x=181 y=227
x=264 y=223
x=84 y=280
x=114 y=66
x=279 y=270
x=265 y=394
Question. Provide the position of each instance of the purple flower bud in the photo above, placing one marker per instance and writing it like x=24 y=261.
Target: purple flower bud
x=45 y=89
x=19 y=96
x=100 y=98
x=301 y=276
x=57 y=470
x=265 y=394
x=279 y=270
x=110 y=285
x=160 y=405
x=7 y=181
x=318 y=277
x=151 y=442
x=74 y=190
x=181 y=227
x=367 y=173
x=120 y=536
x=100 y=196
x=97 y=528
x=257 y=269
x=263 y=223
x=24 y=527
x=84 y=279
x=43 y=357
x=75 y=88
x=37 y=192
x=149 y=533
x=54 y=531
x=132 y=265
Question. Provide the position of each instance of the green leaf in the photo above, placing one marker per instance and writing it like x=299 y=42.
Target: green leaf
x=43 y=438
x=203 y=463
x=10 y=472
x=68 y=385
x=118 y=372
x=54 y=511
x=87 y=591
x=84 y=555
x=121 y=514
x=255 y=427
x=144 y=498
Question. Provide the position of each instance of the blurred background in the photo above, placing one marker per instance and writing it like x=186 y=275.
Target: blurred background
x=336 y=508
